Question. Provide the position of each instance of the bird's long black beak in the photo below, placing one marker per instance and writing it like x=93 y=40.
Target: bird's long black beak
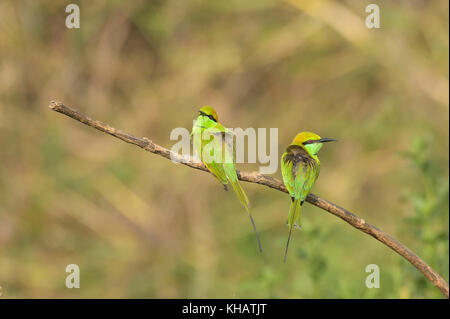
x=326 y=139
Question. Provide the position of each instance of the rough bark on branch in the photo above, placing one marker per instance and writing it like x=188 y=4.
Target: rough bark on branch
x=255 y=177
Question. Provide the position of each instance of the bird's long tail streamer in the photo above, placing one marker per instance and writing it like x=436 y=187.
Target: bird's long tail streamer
x=244 y=200
x=294 y=215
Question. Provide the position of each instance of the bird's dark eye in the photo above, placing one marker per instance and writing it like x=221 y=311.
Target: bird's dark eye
x=212 y=118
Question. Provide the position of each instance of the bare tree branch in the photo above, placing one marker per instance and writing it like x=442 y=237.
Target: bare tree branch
x=254 y=177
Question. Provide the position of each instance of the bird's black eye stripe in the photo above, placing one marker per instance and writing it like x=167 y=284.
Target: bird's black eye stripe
x=310 y=142
x=209 y=116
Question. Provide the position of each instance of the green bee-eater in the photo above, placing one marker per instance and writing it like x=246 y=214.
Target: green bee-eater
x=214 y=144
x=300 y=168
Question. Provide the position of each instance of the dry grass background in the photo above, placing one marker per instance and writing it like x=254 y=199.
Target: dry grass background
x=140 y=226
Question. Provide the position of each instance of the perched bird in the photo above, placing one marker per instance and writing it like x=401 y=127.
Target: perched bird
x=213 y=143
x=300 y=168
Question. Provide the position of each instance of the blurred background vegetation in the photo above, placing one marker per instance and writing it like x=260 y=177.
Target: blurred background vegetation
x=140 y=226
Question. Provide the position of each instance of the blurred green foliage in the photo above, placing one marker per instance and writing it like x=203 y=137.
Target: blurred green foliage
x=428 y=222
x=140 y=226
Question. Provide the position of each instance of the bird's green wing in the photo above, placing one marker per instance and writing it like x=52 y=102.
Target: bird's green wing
x=215 y=164
x=231 y=174
x=230 y=168
x=286 y=171
x=304 y=180
x=314 y=168
x=299 y=171
x=204 y=128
